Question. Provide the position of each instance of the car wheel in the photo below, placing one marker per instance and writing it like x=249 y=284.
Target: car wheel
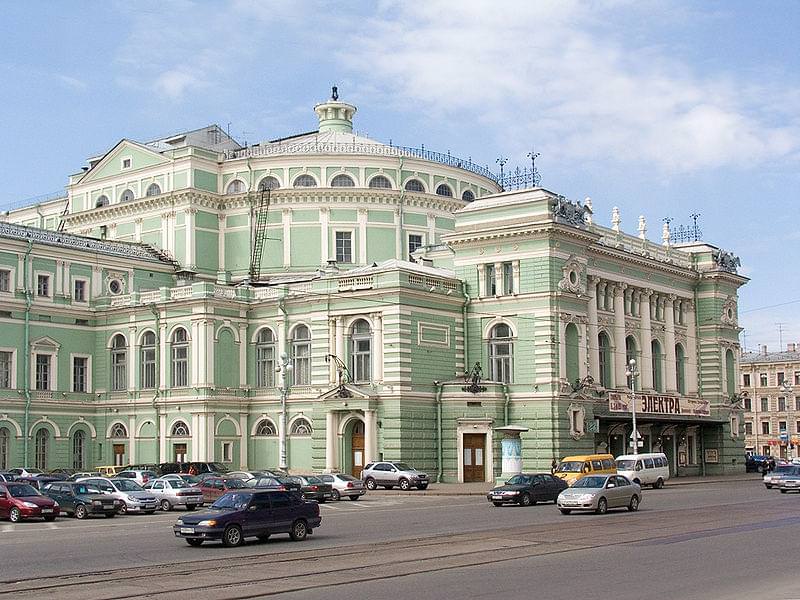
x=659 y=483
x=15 y=516
x=370 y=483
x=194 y=542
x=634 y=504
x=497 y=503
x=110 y=515
x=190 y=507
x=354 y=497
x=80 y=511
x=525 y=500
x=335 y=495
x=769 y=487
x=405 y=485
x=299 y=530
x=565 y=511
x=602 y=506
x=123 y=509
x=232 y=536
x=263 y=537
x=637 y=481
x=165 y=505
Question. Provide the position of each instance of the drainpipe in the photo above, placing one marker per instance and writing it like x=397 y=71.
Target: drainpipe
x=157 y=395
x=507 y=397
x=27 y=351
x=285 y=362
x=467 y=300
x=439 y=450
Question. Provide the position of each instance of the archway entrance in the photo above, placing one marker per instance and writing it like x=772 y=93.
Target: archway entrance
x=356 y=448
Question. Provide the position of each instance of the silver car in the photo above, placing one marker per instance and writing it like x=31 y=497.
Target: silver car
x=789 y=482
x=598 y=493
x=134 y=498
x=175 y=492
x=391 y=474
x=344 y=486
x=773 y=478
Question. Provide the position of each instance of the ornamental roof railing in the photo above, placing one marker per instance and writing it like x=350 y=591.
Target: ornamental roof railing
x=41 y=199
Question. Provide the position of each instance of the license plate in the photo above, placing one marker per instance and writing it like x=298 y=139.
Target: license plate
x=497 y=497
x=47 y=511
x=187 y=530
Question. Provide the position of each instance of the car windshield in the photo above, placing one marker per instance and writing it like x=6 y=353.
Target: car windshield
x=785 y=468
x=590 y=482
x=35 y=471
x=179 y=483
x=626 y=465
x=347 y=477
x=219 y=468
x=262 y=482
x=519 y=480
x=311 y=479
x=126 y=485
x=403 y=467
x=22 y=490
x=570 y=466
x=234 y=484
x=85 y=489
x=233 y=500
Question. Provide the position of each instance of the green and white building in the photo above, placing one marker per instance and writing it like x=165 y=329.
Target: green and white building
x=316 y=301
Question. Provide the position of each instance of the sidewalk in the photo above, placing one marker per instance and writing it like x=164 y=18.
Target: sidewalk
x=480 y=488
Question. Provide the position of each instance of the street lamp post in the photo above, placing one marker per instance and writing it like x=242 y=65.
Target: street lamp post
x=787 y=389
x=632 y=373
x=285 y=371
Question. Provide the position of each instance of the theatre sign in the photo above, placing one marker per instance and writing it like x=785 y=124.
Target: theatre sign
x=657 y=404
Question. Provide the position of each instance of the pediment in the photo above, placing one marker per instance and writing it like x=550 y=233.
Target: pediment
x=347 y=390
x=111 y=164
x=45 y=343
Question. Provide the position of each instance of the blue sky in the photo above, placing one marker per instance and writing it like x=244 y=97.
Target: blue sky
x=659 y=108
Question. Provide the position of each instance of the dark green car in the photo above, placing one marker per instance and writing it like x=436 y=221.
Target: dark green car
x=81 y=500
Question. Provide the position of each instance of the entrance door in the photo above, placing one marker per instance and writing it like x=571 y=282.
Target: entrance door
x=119 y=455
x=474 y=452
x=668 y=447
x=179 y=452
x=357 y=449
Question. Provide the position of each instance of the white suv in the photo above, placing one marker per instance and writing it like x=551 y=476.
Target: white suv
x=391 y=474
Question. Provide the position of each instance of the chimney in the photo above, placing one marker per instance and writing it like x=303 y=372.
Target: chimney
x=764 y=349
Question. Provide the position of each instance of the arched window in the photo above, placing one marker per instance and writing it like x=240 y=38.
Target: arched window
x=604 y=352
x=680 y=368
x=630 y=353
x=148 y=358
x=153 y=190
x=126 y=196
x=268 y=183
x=658 y=365
x=265 y=358
x=444 y=190
x=5 y=449
x=235 y=187
x=468 y=196
x=571 y=342
x=301 y=426
x=119 y=431
x=380 y=182
x=42 y=441
x=305 y=181
x=180 y=429
x=501 y=353
x=266 y=428
x=730 y=373
x=78 y=449
x=180 y=358
x=301 y=355
x=414 y=185
x=101 y=201
x=342 y=181
x=361 y=351
x=119 y=358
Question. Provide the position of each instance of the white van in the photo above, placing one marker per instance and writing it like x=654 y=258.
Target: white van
x=644 y=469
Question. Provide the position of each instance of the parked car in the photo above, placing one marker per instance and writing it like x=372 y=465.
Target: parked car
x=190 y=479
x=250 y=513
x=598 y=493
x=145 y=467
x=39 y=481
x=82 y=499
x=214 y=487
x=526 y=489
x=245 y=475
x=266 y=482
x=193 y=468
x=650 y=468
x=175 y=492
x=20 y=501
x=789 y=482
x=344 y=485
x=26 y=472
x=311 y=486
x=133 y=497
x=7 y=476
x=391 y=474
x=758 y=463
x=67 y=473
x=82 y=475
x=773 y=478
x=138 y=475
x=110 y=470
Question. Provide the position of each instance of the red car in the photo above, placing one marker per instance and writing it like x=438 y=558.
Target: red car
x=214 y=487
x=20 y=501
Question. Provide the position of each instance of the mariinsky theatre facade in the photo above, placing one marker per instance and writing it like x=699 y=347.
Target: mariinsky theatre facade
x=323 y=300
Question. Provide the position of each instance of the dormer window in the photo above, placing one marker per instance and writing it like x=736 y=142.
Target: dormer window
x=127 y=163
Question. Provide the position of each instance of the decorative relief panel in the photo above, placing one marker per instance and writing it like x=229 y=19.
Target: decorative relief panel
x=572 y=280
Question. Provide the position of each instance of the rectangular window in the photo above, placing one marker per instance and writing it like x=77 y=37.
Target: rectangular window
x=781 y=404
x=119 y=379
x=42 y=372
x=148 y=367
x=79 y=291
x=797 y=377
x=748 y=404
x=782 y=427
x=80 y=373
x=797 y=427
x=748 y=428
x=746 y=380
x=781 y=377
x=180 y=366
x=765 y=427
x=491 y=282
x=763 y=380
x=5 y=369
x=765 y=405
x=344 y=247
x=5 y=280
x=227 y=452
x=126 y=163
x=508 y=278
x=42 y=285
x=414 y=242
x=797 y=402
x=265 y=359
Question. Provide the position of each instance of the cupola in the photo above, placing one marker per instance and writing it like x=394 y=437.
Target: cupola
x=334 y=115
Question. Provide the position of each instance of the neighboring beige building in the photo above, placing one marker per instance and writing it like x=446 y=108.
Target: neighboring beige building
x=772 y=404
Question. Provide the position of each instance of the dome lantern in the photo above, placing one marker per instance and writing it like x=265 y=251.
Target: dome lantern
x=334 y=115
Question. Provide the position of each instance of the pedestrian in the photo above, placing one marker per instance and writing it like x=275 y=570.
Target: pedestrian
x=553 y=466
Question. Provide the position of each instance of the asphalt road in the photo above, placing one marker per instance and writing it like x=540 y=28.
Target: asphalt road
x=705 y=541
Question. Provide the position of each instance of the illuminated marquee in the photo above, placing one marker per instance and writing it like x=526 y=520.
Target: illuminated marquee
x=655 y=404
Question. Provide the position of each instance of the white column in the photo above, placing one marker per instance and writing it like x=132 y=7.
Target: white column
x=208 y=376
x=691 y=350
x=97 y=281
x=331 y=419
x=195 y=354
x=370 y=436
x=244 y=441
x=162 y=438
x=59 y=289
x=399 y=252
x=132 y=439
x=243 y=354
x=340 y=347
x=591 y=311
x=431 y=228
x=211 y=440
x=287 y=240
x=324 y=230
x=132 y=353
x=191 y=259
x=198 y=437
x=67 y=287
x=362 y=236
x=481 y=280
x=165 y=231
x=670 y=370
x=332 y=350
x=220 y=242
x=162 y=356
x=515 y=275
x=21 y=270
x=498 y=279
x=646 y=368
x=619 y=334
x=377 y=351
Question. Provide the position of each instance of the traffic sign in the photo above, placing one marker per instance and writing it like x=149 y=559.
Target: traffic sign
x=784 y=436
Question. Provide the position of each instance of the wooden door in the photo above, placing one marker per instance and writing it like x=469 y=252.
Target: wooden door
x=179 y=452
x=474 y=457
x=357 y=449
x=119 y=455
